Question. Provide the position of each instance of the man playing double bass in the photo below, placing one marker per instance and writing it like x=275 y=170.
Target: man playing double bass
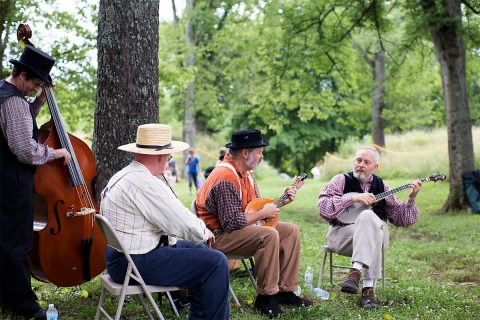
x=221 y=203
x=20 y=153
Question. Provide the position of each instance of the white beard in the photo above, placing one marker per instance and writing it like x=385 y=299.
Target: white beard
x=250 y=162
x=361 y=176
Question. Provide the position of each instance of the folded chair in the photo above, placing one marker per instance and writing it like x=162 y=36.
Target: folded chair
x=329 y=252
x=126 y=289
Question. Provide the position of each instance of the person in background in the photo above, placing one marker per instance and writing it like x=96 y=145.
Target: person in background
x=221 y=203
x=193 y=168
x=221 y=155
x=146 y=213
x=172 y=166
x=20 y=154
x=316 y=171
x=364 y=239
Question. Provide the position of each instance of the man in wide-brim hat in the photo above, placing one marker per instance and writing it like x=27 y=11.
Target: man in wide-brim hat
x=221 y=203
x=148 y=216
x=20 y=153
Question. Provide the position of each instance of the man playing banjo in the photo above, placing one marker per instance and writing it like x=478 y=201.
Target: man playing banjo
x=364 y=237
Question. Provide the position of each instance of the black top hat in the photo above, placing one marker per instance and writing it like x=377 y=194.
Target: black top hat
x=245 y=139
x=37 y=62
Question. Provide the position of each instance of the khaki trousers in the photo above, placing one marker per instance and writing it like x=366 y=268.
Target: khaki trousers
x=362 y=240
x=276 y=252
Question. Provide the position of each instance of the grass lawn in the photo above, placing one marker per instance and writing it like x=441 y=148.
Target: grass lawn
x=433 y=267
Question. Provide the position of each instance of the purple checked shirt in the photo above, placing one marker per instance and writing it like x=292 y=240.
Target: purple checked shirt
x=331 y=204
x=16 y=125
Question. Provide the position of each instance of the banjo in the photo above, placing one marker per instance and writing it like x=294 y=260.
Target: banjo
x=350 y=214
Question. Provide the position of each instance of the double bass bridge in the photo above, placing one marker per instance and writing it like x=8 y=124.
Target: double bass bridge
x=82 y=212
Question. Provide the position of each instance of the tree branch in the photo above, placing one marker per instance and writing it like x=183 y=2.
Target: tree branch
x=469 y=6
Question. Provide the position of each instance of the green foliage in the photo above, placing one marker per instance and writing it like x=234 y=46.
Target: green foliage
x=295 y=71
x=72 y=46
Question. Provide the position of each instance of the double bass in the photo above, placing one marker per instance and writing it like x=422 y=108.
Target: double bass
x=68 y=248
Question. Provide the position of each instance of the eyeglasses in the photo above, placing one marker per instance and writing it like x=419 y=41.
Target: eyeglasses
x=170 y=157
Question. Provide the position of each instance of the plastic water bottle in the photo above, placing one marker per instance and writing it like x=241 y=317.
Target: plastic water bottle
x=298 y=292
x=52 y=313
x=320 y=293
x=309 y=279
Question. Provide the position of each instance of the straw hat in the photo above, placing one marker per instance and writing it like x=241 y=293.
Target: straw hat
x=154 y=139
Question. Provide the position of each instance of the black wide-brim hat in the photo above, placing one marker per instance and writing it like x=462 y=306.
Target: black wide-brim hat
x=37 y=62
x=245 y=139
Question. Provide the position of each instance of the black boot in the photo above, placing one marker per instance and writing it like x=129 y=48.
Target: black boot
x=290 y=299
x=268 y=306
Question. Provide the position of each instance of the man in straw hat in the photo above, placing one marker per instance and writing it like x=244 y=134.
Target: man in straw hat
x=221 y=203
x=20 y=153
x=148 y=216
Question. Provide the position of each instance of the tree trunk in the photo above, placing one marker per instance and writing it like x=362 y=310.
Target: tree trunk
x=188 y=107
x=450 y=49
x=378 y=103
x=127 y=91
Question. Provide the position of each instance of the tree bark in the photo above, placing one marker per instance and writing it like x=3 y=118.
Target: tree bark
x=127 y=91
x=450 y=50
x=188 y=106
x=378 y=103
x=378 y=97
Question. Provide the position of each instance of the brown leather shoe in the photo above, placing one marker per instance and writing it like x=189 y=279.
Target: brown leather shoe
x=368 y=298
x=351 y=284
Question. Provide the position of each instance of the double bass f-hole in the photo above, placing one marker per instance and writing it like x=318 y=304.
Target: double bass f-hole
x=57 y=218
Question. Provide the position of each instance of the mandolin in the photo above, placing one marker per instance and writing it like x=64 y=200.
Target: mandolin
x=259 y=203
x=349 y=215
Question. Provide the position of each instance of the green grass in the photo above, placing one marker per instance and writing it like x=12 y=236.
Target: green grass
x=433 y=267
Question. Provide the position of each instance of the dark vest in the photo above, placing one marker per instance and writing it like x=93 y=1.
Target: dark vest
x=377 y=186
x=7 y=159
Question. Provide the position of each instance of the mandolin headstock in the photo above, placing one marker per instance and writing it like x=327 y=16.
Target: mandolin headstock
x=299 y=181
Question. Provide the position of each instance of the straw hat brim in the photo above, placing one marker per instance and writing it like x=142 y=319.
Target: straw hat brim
x=177 y=146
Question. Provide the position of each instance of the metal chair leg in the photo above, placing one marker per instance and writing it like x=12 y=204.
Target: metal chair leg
x=322 y=270
x=331 y=268
x=174 y=307
x=250 y=275
x=100 y=303
x=232 y=293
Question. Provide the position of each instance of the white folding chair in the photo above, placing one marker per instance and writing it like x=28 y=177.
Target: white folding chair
x=250 y=270
x=329 y=252
x=126 y=289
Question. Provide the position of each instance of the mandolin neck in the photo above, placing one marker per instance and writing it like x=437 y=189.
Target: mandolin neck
x=281 y=199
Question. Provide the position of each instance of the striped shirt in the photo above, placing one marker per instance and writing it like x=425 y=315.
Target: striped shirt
x=331 y=203
x=142 y=208
x=17 y=127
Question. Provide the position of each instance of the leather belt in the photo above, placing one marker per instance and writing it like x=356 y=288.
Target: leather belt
x=336 y=223
x=218 y=231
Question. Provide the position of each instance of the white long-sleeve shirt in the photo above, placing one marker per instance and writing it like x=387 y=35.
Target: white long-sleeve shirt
x=142 y=208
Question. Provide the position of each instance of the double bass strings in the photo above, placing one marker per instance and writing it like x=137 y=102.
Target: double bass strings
x=76 y=176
